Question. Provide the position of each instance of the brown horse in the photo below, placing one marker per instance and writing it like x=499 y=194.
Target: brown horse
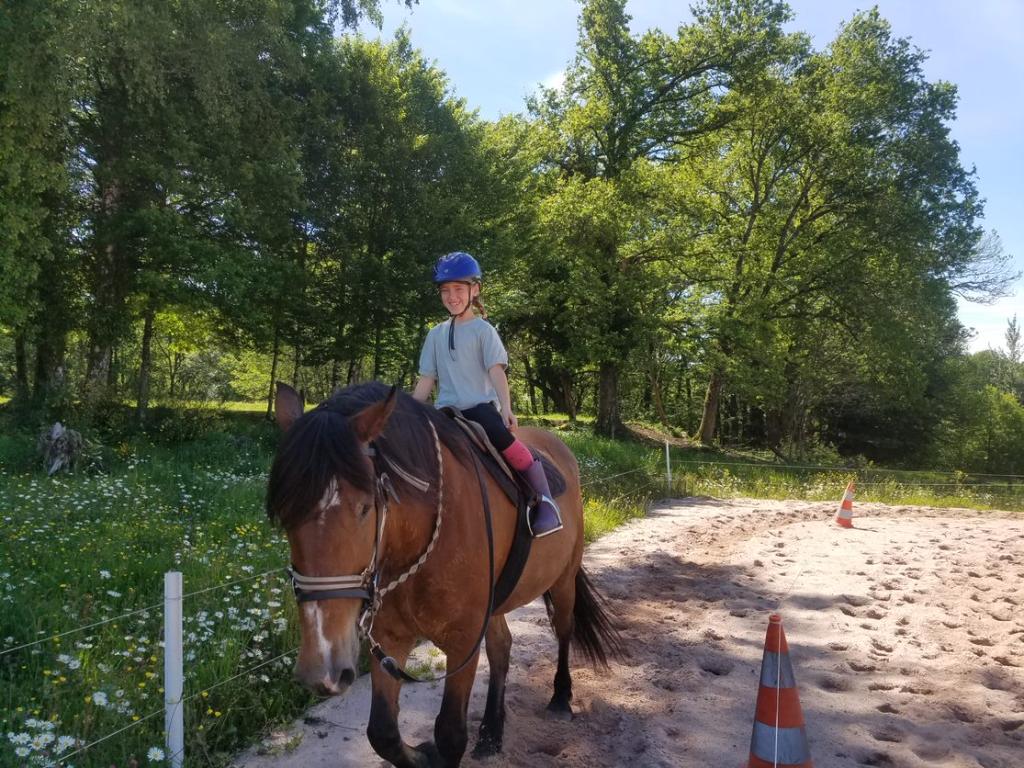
x=383 y=503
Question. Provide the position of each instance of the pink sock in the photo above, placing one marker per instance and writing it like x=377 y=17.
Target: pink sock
x=518 y=455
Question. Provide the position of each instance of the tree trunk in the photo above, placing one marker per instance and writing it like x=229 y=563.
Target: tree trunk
x=295 y=370
x=609 y=423
x=115 y=361
x=569 y=400
x=530 y=387
x=706 y=430
x=689 y=401
x=145 y=363
x=273 y=372
x=20 y=366
x=97 y=365
x=376 y=352
x=52 y=324
x=659 y=402
x=335 y=372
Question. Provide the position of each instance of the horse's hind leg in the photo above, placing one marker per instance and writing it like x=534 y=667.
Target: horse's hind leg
x=560 y=600
x=492 y=727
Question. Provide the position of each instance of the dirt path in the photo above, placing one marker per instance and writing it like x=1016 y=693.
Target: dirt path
x=906 y=636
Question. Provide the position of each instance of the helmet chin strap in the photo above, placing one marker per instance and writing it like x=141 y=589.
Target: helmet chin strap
x=452 y=318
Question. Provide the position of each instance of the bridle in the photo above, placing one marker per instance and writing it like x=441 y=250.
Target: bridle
x=365 y=586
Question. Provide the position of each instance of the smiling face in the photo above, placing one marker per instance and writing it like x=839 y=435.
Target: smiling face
x=337 y=540
x=457 y=296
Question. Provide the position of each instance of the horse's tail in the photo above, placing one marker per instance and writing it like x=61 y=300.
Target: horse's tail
x=594 y=633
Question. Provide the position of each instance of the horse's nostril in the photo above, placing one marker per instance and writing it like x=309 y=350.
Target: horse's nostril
x=348 y=677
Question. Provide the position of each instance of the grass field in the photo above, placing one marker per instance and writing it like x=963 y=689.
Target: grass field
x=83 y=550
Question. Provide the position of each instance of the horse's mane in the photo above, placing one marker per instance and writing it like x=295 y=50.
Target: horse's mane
x=321 y=447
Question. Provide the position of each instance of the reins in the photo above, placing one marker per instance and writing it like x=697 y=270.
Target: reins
x=365 y=587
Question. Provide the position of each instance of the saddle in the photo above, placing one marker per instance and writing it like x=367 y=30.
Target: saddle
x=514 y=486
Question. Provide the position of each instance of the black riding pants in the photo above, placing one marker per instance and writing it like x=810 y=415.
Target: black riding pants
x=487 y=416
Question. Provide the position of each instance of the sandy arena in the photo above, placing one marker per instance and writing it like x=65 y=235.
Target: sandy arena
x=905 y=634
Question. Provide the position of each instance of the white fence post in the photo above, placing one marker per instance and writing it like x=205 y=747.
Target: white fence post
x=668 y=468
x=174 y=675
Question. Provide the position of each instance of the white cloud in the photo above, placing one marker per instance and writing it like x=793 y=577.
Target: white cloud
x=989 y=321
x=555 y=80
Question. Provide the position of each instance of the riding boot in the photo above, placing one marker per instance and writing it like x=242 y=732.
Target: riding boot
x=544 y=515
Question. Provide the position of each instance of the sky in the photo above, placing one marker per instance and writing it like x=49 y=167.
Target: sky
x=496 y=52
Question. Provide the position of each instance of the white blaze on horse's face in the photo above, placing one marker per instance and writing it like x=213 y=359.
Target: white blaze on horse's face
x=330 y=500
x=336 y=541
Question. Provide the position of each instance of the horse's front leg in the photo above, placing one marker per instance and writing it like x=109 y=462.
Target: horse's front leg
x=492 y=727
x=450 y=735
x=382 y=730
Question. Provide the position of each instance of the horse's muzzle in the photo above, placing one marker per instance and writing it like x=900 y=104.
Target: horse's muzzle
x=328 y=685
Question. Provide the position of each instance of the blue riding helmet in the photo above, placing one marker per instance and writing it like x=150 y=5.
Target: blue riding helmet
x=457 y=267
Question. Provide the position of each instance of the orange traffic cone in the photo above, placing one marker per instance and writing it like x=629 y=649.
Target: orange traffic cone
x=844 y=516
x=779 y=739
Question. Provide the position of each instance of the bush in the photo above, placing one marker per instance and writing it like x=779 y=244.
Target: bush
x=169 y=426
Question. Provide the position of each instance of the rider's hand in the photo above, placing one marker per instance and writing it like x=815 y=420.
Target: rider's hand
x=511 y=422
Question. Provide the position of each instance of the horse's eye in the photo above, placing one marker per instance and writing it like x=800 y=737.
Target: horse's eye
x=364 y=511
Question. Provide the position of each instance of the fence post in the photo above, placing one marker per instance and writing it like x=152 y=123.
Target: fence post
x=174 y=677
x=668 y=469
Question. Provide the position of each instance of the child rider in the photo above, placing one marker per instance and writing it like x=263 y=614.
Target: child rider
x=464 y=356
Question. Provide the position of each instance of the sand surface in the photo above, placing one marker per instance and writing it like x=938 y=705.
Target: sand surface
x=906 y=635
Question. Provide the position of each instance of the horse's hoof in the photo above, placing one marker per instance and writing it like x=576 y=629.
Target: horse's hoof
x=433 y=757
x=486 y=748
x=559 y=712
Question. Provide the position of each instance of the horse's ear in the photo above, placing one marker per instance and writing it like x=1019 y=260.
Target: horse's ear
x=288 y=406
x=370 y=421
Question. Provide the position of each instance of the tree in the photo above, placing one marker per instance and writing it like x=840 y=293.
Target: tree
x=836 y=196
x=629 y=102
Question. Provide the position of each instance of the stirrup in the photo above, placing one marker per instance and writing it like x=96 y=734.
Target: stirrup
x=558 y=517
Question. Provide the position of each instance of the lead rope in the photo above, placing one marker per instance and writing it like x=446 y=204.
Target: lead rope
x=366 y=621
x=388 y=663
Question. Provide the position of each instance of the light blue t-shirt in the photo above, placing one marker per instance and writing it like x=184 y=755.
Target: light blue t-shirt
x=461 y=373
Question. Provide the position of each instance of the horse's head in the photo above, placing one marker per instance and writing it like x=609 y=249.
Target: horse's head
x=321 y=491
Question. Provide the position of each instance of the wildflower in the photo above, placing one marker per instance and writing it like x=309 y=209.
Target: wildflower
x=99 y=699
x=104 y=574
x=113 y=593
x=155 y=755
x=64 y=743
x=22 y=751
x=41 y=741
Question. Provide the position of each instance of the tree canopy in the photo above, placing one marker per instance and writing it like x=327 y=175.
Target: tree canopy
x=721 y=228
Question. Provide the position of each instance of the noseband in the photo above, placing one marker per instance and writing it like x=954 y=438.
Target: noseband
x=365 y=587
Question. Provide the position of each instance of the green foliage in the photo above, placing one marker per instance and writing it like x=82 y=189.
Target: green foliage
x=719 y=229
x=986 y=433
